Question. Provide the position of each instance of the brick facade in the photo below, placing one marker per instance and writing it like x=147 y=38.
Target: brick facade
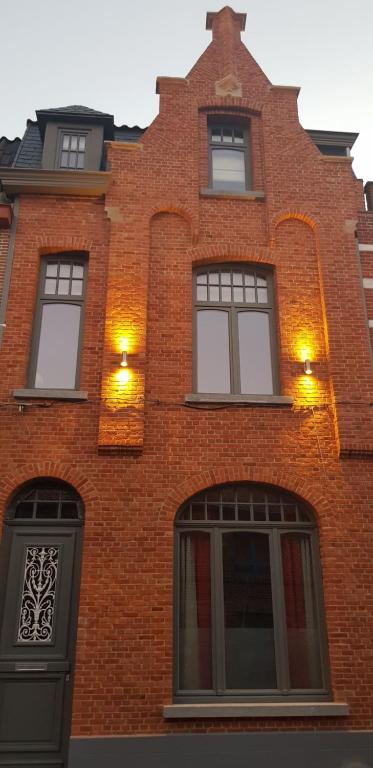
x=134 y=450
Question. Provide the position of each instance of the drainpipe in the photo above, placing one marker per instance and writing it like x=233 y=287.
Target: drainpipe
x=8 y=268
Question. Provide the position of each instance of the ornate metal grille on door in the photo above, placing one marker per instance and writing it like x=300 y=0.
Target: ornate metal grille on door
x=38 y=595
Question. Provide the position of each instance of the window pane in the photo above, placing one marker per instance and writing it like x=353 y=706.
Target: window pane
x=51 y=270
x=50 y=286
x=74 y=143
x=214 y=278
x=227 y=136
x=216 y=135
x=65 y=270
x=201 y=292
x=237 y=278
x=48 y=510
x=58 y=346
x=65 y=141
x=80 y=160
x=238 y=136
x=226 y=293
x=64 y=159
x=213 y=369
x=195 y=611
x=250 y=295
x=238 y=294
x=81 y=143
x=249 y=279
x=248 y=615
x=255 y=353
x=72 y=160
x=262 y=296
x=228 y=170
x=214 y=293
x=301 y=612
x=225 y=278
x=77 y=270
x=63 y=287
x=76 y=287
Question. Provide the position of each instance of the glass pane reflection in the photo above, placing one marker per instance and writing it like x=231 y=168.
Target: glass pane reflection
x=58 y=346
x=213 y=369
x=249 y=635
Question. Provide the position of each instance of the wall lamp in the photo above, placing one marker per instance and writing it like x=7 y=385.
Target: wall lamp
x=307 y=366
x=123 y=361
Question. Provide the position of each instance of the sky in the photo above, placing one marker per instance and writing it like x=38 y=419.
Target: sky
x=107 y=55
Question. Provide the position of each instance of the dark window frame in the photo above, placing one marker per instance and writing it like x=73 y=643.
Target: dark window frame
x=71 y=133
x=273 y=531
x=234 y=308
x=227 y=122
x=42 y=299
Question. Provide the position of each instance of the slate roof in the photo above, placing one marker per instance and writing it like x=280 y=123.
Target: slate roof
x=28 y=152
x=8 y=150
x=75 y=109
x=125 y=133
x=31 y=148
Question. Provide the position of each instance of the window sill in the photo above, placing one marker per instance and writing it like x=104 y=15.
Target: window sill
x=282 y=709
x=271 y=400
x=248 y=195
x=51 y=394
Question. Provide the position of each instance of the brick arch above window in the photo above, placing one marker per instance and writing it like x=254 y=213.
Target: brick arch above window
x=14 y=480
x=46 y=245
x=230 y=251
x=305 y=489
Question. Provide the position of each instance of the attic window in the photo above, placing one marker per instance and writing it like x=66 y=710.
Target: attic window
x=72 y=151
x=229 y=155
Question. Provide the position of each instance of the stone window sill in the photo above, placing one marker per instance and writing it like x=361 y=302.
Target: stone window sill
x=249 y=195
x=270 y=709
x=268 y=400
x=51 y=394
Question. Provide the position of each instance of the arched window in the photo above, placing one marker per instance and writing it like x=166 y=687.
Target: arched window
x=249 y=606
x=235 y=336
x=46 y=500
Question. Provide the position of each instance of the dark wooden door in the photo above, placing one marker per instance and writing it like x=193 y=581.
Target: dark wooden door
x=40 y=580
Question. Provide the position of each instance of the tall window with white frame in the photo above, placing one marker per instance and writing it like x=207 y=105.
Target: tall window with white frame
x=54 y=362
x=235 y=337
x=229 y=162
x=249 y=617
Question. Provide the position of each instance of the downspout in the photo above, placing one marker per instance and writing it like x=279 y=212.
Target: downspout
x=8 y=268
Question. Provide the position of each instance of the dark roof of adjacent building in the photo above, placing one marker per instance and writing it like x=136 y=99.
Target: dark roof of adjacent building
x=333 y=142
x=31 y=148
x=74 y=109
x=8 y=150
x=28 y=151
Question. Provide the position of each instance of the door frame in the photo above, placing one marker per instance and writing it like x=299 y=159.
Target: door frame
x=10 y=524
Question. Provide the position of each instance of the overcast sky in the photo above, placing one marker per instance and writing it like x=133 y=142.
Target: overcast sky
x=107 y=55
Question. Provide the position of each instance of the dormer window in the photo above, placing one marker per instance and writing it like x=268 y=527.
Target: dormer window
x=228 y=155
x=72 y=150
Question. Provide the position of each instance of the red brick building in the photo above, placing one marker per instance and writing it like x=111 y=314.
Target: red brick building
x=187 y=539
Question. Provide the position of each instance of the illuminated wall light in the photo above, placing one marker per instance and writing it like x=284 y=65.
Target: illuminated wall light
x=307 y=366
x=123 y=361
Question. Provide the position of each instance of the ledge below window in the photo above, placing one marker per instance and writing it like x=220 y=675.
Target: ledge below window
x=50 y=394
x=282 y=709
x=248 y=195
x=271 y=400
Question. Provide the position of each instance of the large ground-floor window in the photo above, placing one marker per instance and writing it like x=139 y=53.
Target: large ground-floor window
x=249 y=603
